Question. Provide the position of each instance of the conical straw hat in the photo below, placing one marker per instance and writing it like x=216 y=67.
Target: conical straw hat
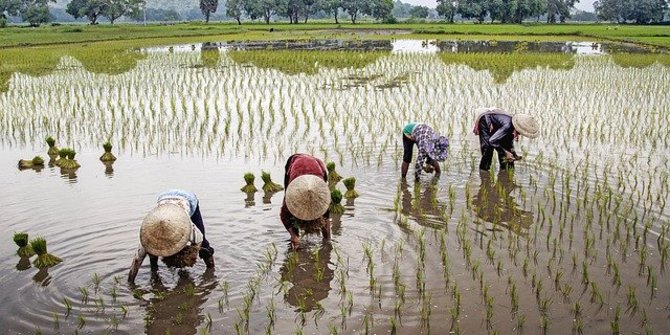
x=307 y=197
x=165 y=230
x=526 y=125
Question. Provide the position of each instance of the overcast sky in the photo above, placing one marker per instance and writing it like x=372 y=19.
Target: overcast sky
x=586 y=5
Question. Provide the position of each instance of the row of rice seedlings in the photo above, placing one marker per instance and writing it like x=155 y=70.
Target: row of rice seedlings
x=249 y=110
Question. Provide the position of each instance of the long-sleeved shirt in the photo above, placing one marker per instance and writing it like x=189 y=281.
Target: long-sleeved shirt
x=430 y=144
x=296 y=166
x=499 y=126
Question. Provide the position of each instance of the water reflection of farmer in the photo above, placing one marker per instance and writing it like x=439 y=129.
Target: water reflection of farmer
x=307 y=197
x=178 y=311
x=497 y=130
x=424 y=208
x=175 y=231
x=494 y=203
x=308 y=271
x=432 y=149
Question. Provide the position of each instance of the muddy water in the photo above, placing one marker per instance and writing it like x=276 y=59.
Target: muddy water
x=575 y=234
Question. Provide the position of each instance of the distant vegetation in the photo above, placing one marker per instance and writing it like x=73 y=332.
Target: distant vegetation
x=36 y=12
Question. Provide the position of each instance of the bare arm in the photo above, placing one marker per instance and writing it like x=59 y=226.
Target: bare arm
x=137 y=262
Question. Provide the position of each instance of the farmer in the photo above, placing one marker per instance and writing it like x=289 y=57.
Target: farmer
x=432 y=149
x=307 y=197
x=173 y=230
x=497 y=130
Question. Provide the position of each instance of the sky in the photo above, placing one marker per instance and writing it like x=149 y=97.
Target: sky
x=586 y=5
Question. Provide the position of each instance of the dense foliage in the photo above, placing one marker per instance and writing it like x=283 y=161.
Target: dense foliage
x=111 y=9
x=638 y=11
x=506 y=11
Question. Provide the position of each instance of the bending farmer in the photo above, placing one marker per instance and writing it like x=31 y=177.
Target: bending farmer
x=497 y=130
x=174 y=231
x=432 y=149
x=307 y=197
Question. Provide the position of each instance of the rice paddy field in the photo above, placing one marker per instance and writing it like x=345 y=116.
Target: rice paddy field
x=575 y=240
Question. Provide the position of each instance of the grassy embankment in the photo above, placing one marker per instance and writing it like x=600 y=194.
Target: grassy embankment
x=200 y=32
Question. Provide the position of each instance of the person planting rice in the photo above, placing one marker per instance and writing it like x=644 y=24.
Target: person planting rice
x=497 y=130
x=307 y=197
x=173 y=230
x=432 y=149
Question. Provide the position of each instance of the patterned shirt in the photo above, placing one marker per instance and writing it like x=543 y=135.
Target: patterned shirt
x=431 y=145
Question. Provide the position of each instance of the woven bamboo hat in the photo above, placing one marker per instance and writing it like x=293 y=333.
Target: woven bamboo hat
x=165 y=230
x=307 y=197
x=526 y=125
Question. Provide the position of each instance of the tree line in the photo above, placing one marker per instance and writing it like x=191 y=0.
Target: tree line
x=36 y=12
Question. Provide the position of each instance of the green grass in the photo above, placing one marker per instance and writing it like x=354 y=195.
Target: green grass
x=200 y=32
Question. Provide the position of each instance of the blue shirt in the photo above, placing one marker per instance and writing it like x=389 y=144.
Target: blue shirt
x=181 y=194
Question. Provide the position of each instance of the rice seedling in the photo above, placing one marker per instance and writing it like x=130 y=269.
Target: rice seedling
x=249 y=187
x=36 y=162
x=107 y=156
x=24 y=250
x=336 y=207
x=350 y=183
x=53 y=150
x=333 y=176
x=44 y=259
x=268 y=185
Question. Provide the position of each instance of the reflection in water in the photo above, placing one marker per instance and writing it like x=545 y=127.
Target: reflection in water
x=494 y=203
x=177 y=311
x=43 y=61
x=210 y=55
x=69 y=174
x=23 y=264
x=109 y=169
x=422 y=206
x=103 y=60
x=250 y=200
x=503 y=65
x=308 y=271
x=42 y=276
x=305 y=61
x=267 y=197
x=52 y=160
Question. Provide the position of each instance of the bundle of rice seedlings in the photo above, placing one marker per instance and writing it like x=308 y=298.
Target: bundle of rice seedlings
x=107 y=156
x=249 y=179
x=335 y=205
x=53 y=150
x=184 y=258
x=69 y=162
x=37 y=161
x=44 y=259
x=62 y=156
x=350 y=183
x=333 y=176
x=25 y=250
x=309 y=227
x=269 y=185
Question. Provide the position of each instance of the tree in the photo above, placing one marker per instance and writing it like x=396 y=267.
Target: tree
x=91 y=9
x=379 y=9
x=447 y=8
x=420 y=12
x=207 y=7
x=559 y=10
x=332 y=7
x=115 y=9
x=9 y=8
x=234 y=9
x=472 y=9
x=354 y=8
x=35 y=12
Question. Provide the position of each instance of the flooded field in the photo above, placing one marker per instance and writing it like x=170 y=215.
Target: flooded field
x=575 y=240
